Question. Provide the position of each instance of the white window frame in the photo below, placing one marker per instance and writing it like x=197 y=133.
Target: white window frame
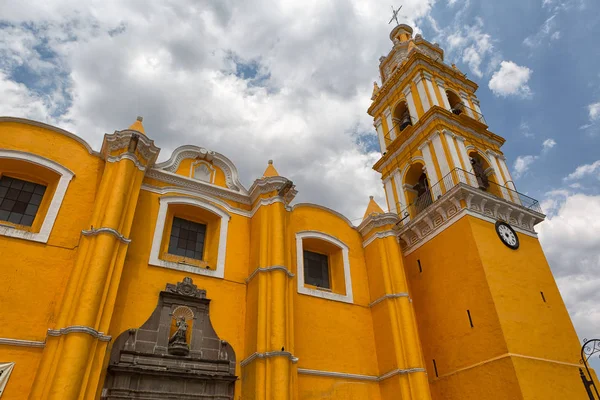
x=57 y=197
x=161 y=219
x=302 y=289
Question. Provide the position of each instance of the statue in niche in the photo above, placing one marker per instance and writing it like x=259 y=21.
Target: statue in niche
x=482 y=179
x=178 y=342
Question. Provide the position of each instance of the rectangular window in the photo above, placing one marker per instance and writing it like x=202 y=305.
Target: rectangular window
x=316 y=269
x=19 y=200
x=187 y=239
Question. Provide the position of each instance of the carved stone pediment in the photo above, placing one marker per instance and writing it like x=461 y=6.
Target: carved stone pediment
x=176 y=353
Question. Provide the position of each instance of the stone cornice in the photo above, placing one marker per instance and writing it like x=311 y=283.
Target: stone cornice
x=219 y=160
x=444 y=211
x=197 y=185
x=284 y=186
x=376 y=221
x=132 y=145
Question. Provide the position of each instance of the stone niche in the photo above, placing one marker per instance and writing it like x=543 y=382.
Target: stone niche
x=175 y=354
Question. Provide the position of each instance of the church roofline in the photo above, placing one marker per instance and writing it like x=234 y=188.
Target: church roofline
x=53 y=129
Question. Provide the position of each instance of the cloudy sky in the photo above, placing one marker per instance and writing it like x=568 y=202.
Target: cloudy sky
x=291 y=81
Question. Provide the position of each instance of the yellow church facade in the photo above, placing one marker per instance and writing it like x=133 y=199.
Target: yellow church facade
x=128 y=278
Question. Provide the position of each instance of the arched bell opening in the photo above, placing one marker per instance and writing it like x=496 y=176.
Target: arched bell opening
x=401 y=116
x=484 y=173
x=418 y=189
x=456 y=105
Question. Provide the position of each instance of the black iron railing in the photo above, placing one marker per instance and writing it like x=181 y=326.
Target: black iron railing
x=460 y=108
x=459 y=176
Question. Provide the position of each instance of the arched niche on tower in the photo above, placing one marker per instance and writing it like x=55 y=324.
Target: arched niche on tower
x=482 y=169
x=456 y=104
x=417 y=188
x=401 y=116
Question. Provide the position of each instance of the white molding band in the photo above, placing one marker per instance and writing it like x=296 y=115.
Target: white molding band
x=389 y=296
x=111 y=231
x=378 y=235
x=80 y=329
x=127 y=156
x=371 y=378
x=505 y=356
x=302 y=289
x=269 y=269
x=57 y=198
x=389 y=195
x=21 y=343
x=268 y=354
x=219 y=271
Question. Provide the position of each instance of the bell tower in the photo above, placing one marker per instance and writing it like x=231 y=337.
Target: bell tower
x=491 y=320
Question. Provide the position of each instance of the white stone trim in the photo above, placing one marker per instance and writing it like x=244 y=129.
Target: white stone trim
x=268 y=354
x=371 y=378
x=454 y=155
x=111 y=231
x=388 y=119
x=410 y=101
x=389 y=195
x=440 y=154
x=53 y=129
x=269 y=269
x=380 y=135
x=430 y=167
x=302 y=289
x=498 y=173
x=455 y=218
x=421 y=89
x=57 y=198
x=465 y=99
x=442 y=87
x=21 y=342
x=80 y=329
x=378 y=235
x=212 y=170
x=127 y=156
x=399 y=191
x=429 y=86
x=389 y=296
x=219 y=271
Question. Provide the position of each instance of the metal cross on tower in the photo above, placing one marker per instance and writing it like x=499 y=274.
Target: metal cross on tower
x=395 y=15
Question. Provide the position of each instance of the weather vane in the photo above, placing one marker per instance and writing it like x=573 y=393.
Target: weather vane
x=395 y=15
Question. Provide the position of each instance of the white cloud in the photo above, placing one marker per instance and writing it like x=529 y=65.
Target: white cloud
x=522 y=164
x=594 y=111
x=572 y=245
x=526 y=130
x=584 y=170
x=178 y=65
x=511 y=80
x=548 y=144
x=548 y=29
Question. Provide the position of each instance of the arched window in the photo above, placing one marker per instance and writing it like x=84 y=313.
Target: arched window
x=418 y=187
x=486 y=179
x=401 y=116
x=323 y=266
x=456 y=105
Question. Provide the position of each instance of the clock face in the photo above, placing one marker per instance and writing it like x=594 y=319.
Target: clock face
x=507 y=235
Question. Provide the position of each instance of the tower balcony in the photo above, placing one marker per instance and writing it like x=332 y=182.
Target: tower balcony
x=462 y=193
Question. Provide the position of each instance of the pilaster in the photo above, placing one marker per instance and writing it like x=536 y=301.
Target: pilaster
x=269 y=365
x=402 y=367
x=418 y=80
x=411 y=103
x=442 y=87
x=77 y=342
